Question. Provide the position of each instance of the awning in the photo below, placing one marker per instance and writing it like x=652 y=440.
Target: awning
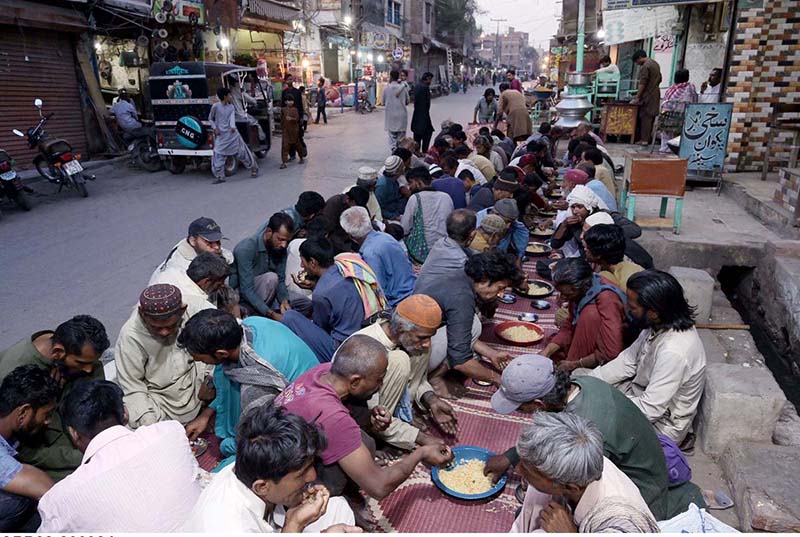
x=28 y=14
x=270 y=10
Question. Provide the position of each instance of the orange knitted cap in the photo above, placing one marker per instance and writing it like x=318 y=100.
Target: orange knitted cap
x=421 y=310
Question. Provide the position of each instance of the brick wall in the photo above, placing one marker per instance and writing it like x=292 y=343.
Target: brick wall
x=764 y=68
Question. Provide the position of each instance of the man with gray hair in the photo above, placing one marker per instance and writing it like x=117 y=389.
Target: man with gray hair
x=406 y=336
x=561 y=458
x=382 y=253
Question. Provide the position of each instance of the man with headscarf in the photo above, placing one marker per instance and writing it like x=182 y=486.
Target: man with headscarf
x=367 y=179
x=406 y=335
x=561 y=458
x=160 y=381
x=579 y=176
x=582 y=202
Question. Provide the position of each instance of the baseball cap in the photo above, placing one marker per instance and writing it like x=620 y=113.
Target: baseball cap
x=527 y=377
x=206 y=228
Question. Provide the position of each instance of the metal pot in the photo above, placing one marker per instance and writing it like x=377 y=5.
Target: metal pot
x=572 y=110
x=579 y=79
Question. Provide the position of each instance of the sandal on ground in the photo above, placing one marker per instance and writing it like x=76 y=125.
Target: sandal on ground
x=283 y=166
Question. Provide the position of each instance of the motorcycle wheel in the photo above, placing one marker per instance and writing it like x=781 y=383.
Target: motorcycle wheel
x=46 y=170
x=80 y=185
x=22 y=201
x=231 y=165
x=176 y=165
x=148 y=160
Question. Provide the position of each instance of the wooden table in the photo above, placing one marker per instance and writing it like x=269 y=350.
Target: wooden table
x=654 y=174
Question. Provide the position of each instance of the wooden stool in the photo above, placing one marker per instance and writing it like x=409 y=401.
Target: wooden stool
x=647 y=174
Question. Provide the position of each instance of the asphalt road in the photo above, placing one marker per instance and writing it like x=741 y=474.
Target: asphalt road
x=71 y=255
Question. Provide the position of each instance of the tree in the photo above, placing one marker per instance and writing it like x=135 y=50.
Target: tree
x=455 y=20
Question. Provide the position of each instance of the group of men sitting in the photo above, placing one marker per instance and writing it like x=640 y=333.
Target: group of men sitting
x=331 y=338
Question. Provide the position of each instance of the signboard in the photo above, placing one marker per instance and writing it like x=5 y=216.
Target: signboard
x=705 y=135
x=192 y=11
x=397 y=53
x=624 y=25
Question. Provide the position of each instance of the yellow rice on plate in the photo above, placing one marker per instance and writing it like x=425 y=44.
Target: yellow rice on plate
x=467 y=478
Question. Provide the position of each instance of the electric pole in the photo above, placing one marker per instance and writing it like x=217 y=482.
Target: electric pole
x=497 y=38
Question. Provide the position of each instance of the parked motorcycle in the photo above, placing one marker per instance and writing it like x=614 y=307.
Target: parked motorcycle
x=55 y=162
x=364 y=105
x=144 y=150
x=10 y=185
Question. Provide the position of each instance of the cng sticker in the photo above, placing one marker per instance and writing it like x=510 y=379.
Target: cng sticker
x=190 y=132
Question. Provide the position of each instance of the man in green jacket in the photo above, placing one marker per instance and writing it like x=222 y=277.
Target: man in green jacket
x=70 y=353
x=531 y=383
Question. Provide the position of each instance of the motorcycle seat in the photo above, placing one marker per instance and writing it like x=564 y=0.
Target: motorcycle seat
x=55 y=145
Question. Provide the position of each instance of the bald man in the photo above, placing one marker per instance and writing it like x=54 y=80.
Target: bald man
x=406 y=338
x=320 y=396
x=159 y=380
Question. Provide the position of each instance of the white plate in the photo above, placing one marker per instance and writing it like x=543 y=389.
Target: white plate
x=8 y=176
x=72 y=167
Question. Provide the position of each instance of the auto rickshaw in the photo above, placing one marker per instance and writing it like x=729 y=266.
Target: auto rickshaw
x=182 y=94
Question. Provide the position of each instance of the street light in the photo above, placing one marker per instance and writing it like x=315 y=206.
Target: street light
x=352 y=52
x=348 y=20
x=369 y=57
x=224 y=42
x=305 y=63
x=601 y=33
x=97 y=45
x=380 y=58
x=359 y=54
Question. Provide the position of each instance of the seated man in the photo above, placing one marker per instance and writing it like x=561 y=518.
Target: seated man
x=407 y=339
x=460 y=286
x=516 y=233
x=462 y=153
x=299 y=293
x=69 y=354
x=243 y=377
x=426 y=213
x=483 y=197
x=595 y=185
x=320 y=395
x=582 y=203
x=368 y=179
x=434 y=154
x=131 y=481
x=308 y=205
x=204 y=235
x=593 y=332
x=259 y=268
x=382 y=253
x=531 y=383
x=387 y=190
x=27 y=398
x=481 y=157
x=491 y=229
x=357 y=196
x=206 y=273
x=269 y=489
x=664 y=371
x=604 y=245
x=449 y=184
x=602 y=170
x=337 y=306
x=159 y=380
x=561 y=457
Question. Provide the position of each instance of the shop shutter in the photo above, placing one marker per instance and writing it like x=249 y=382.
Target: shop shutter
x=38 y=63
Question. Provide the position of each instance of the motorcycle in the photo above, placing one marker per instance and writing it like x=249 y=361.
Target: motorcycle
x=10 y=185
x=143 y=149
x=364 y=105
x=55 y=162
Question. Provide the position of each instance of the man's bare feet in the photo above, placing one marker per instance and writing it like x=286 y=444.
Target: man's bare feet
x=283 y=165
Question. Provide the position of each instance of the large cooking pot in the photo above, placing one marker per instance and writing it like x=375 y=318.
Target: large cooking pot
x=579 y=79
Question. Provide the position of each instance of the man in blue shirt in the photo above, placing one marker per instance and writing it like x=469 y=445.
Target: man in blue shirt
x=387 y=190
x=383 y=254
x=27 y=399
x=517 y=233
x=127 y=117
x=448 y=184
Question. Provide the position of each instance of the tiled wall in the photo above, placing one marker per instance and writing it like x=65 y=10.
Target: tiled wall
x=788 y=188
x=764 y=68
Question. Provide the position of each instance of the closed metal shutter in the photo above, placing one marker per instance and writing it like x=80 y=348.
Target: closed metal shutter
x=38 y=63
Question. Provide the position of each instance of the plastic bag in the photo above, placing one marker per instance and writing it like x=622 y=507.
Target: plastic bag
x=695 y=520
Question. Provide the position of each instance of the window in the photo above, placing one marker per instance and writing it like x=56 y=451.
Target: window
x=394 y=12
x=428 y=10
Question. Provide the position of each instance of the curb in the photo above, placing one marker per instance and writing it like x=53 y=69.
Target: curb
x=32 y=176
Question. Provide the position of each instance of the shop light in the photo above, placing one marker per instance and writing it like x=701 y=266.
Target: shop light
x=380 y=58
x=369 y=57
x=359 y=54
x=601 y=33
x=305 y=63
x=352 y=52
x=97 y=45
x=225 y=42
x=348 y=20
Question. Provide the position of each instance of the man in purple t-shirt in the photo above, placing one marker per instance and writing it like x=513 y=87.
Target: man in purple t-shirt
x=319 y=396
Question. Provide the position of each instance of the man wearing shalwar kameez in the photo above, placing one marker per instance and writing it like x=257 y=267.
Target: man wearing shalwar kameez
x=227 y=140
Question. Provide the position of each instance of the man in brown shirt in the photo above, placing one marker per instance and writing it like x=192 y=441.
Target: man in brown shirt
x=648 y=96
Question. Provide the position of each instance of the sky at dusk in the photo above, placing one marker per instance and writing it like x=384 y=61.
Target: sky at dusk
x=537 y=17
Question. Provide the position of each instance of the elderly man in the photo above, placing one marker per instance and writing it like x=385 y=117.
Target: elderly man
x=131 y=481
x=460 y=284
x=664 y=371
x=406 y=337
x=491 y=230
x=484 y=196
x=517 y=233
x=308 y=206
x=70 y=353
x=368 y=178
x=253 y=363
x=27 y=398
x=204 y=235
x=531 y=383
x=269 y=489
x=426 y=212
x=357 y=196
x=582 y=203
x=259 y=268
x=387 y=190
x=320 y=395
x=382 y=253
x=206 y=273
x=160 y=381
x=338 y=307
x=561 y=458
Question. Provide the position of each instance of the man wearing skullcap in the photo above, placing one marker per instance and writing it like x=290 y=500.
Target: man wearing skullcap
x=491 y=229
x=407 y=339
x=516 y=232
x=387 y=189
x=160 y=381
x=367 y=178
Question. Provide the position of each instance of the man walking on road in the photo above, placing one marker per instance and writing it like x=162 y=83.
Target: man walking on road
x=421 y=124
x=322 y=100
x=227 y=140
x=648 y=96
x=395 y=98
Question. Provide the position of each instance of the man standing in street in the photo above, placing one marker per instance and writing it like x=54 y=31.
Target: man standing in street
x=297 y=99
x=322 y=100
x=395 y=98
x=421 y=124
x=710 y=90
x=227 y=140
x=513 y=81
x=648 y=96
